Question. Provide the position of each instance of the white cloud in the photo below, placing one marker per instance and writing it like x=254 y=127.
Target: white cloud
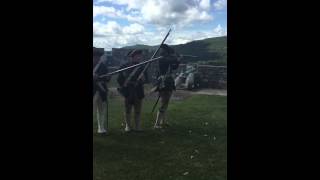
x=169 y=12
x=107 y=11
x=183 y=37
x=123 y=38
x=205 y=4
x=194 y=14
x=135 y=18
x=151 y=11
x=220 y=4
x=111 y=28
x=159 y=12
x=219 y=31
x=132 y=4
x=102 y=10
x=113 y=35
x=133 y=29
x=181 y=40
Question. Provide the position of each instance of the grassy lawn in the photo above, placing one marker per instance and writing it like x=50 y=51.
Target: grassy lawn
x=194 y=147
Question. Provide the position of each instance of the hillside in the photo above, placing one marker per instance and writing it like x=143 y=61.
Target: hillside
x=140 y=46
x=209 y=51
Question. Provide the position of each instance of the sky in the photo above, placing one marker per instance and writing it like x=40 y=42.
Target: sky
x=119 y=23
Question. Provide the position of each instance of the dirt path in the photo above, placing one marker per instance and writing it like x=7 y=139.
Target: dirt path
x=219 y=92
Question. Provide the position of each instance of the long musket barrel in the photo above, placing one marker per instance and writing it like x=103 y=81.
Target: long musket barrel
x=130 y=67
x=154 y=54
x=149 y=61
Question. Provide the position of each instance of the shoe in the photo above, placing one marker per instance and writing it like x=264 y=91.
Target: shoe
x=102 y=131
x=127 y=129
x=157 y=127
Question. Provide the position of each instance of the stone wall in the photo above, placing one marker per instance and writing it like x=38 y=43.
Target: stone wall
x=213 y=76
x=97 y=53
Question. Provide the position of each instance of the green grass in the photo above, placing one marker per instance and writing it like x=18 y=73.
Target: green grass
x=165 y=154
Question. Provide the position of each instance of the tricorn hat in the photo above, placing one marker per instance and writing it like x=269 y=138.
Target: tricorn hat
x=165 y=49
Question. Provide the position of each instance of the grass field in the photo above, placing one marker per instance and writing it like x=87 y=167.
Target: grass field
x=193 y=147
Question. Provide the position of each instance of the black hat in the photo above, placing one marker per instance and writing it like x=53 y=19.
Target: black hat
x=134 y=52
x=165 y=49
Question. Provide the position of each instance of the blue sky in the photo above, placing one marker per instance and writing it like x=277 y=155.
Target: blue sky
x=118 y=23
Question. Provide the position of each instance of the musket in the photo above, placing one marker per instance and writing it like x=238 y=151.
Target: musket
x=154 y=54
x=145 y=68
x=155 y=104
x=145 y=62
x=107 y=109
x=130 y=67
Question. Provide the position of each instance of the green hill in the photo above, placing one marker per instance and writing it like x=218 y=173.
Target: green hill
x=140 y=46
x=209 y=51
